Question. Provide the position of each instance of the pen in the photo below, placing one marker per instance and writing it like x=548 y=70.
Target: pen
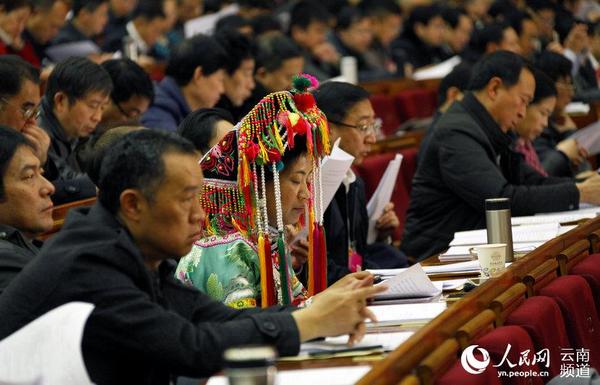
x=317 y=353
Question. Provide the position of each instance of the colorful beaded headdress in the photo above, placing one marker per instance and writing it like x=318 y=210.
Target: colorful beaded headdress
x=236 y=201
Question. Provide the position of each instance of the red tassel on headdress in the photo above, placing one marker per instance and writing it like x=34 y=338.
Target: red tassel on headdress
x=316 y=258
x=304 y=101
x=322 y=268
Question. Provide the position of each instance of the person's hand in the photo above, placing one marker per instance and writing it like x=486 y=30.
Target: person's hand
x=337 y=311
x=39 y=139
x=354 y=281
x=326 y=53
x=555 y=47
x=571 y=149
x=589 y=190
x=387 y=222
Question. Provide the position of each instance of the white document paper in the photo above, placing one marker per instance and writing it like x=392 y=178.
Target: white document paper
x=333 y=170
x=569 y=216
x=455 y=253
x=398 y=314
x=389 y=341
x=411 y=283
x=47 y=350
x=577 y=108
x=520 y=234
x=343 y=375
x=437 y=71
x=58 y=53
x=206 y=24
x=382 y=195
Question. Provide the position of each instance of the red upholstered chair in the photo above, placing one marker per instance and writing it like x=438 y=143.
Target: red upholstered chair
x=574 y=297
x=457 y=375
x=496 y=343
x=589 y=269
x=415 y=103
x=385 y=109
x=541 y=317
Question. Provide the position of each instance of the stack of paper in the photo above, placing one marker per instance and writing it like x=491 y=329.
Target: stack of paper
x=403 y=314
x=461 y=253
x=520 y=234
x=437 y=71
x=559 y=217
x=410 y=283
x=344 y=375
x=577 y=108
x=206 y=24
x=382 y=195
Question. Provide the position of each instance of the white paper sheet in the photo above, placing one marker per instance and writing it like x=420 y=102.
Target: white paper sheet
x=206 y=24
x=589 y=138
x=58 y=53
x=411 y=283
x=47 y=350
x=562 y=217
x=344 y=375
x=389 y=341
x=520 y=234
x=382 y=195
x=333 y=170
x=399 y=314
x=455 y=253
x=577 y=108
x=437 y=71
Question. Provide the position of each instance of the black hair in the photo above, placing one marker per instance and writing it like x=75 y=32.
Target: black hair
x=458 y=77
x=10 y=141
x=451 y=16
x=76 y=77
x=198 y=51
x=380 y=8
x=136 y=161
x=149 y=9
x=490 y=33
x=44 y=5
x=273 y=50
x=502 y=64
x=129 y=79
x=238 y=47
x=501 y=10
x=93 y=151
x=306 y=12
x=554 y=65
x=231 y=23
x=265 y=23
x=199 y=126
x=290 y=156
x=335 y=99
x=349 y=16
x=11 y=5
x=538 y=5
x=422 y=14
x=13 y=72
x=516 y=19
x=544 y=86
x=261 y=4
x=88 y=5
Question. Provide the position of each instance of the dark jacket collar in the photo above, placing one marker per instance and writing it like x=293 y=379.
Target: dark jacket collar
x=49 y=122
x=172 y=91
x=14 y=236
x=499 y=140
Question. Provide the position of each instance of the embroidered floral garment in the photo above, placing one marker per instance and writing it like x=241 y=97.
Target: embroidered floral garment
x=227 y=269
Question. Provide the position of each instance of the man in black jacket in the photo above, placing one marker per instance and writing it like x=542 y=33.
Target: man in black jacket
x=147 y=327
x=468 y=160
x=25 y=205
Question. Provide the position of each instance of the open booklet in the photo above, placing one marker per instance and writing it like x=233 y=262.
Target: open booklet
x=410 y=283
x=382 y=195
x=437 y=71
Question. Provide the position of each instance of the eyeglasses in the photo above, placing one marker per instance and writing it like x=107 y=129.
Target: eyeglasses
x=31 y=112
x=129 y=115
x=365 y=128
x=566 y=86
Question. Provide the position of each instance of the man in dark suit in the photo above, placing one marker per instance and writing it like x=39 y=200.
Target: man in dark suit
x=25 y=205
x=147 y=327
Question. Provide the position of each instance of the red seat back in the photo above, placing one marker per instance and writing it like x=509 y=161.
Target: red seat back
x=457 y=375
x=385 y=109
x=589 y=269
x=496 y=343
x=541 y=318
x=574 y=297
x=415 y=103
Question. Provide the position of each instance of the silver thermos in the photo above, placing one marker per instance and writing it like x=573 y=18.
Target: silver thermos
x=497 y=218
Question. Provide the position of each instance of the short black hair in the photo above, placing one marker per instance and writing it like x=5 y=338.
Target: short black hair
x=149 y=9
x=273 y=50
x=490 y=33
x=458 y=77
x=335 y=99
x=380 y=8
x=10 y=141
x=88 y=5
x=265 y=23
x=136 y=161
x=129 y=79
x=349 y=16
x=231 y=23
x=199 y=126
x=238 y=47
x=451 y=16
x=306 y=12
x=76 y=77
x=538 y=5
x=421 y=14
x=13 y=72
x=516 y=19
x=198 y=51
x=11 y=5
x=544 y=86
x=554 y=65
x=502 y=64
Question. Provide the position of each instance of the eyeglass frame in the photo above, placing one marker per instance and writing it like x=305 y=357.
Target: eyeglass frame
x=373 y=127
x=29 y=113
x=124 y=113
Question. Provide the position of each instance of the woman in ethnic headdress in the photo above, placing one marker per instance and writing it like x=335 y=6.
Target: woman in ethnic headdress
x=260 y=177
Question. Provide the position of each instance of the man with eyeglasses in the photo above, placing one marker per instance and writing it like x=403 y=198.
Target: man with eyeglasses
x=19 y=101
x=76 y=96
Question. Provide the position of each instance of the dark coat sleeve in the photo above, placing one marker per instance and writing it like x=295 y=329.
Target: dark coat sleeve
x=159 y=118
x=468 y=170
x=555 y=162
x=12 y=260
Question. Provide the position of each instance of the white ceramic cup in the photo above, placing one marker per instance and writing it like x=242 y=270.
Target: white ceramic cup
x=491 y=258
